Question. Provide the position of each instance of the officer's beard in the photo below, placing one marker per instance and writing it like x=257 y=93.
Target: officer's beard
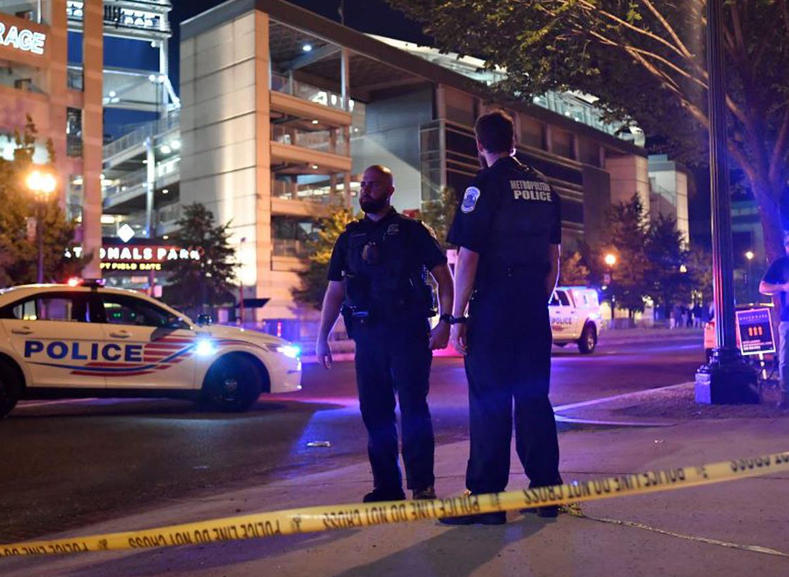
x=372 y=205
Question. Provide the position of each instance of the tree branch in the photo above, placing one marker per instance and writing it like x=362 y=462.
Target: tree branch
x=682 y=48
x=777 y=166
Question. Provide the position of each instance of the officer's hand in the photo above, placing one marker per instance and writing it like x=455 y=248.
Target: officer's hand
x=323 y=352
x=439 y=336
x=459 y=338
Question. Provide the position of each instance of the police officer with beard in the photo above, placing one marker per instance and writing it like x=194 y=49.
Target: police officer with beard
x=508 y=228
x=378 y=278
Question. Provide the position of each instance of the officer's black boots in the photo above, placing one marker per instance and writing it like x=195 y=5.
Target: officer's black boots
x=423 y=494
x=497 y=518
x=378 y=494
x=547 y=512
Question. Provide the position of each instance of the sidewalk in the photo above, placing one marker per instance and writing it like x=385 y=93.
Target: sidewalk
x=751 y=511
x=344 y=350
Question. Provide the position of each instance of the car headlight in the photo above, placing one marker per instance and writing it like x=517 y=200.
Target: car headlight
x=205 y=347
x=290 y=351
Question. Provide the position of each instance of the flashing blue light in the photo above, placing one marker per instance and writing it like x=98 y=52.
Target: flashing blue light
x=205 y=347
x=290 y=351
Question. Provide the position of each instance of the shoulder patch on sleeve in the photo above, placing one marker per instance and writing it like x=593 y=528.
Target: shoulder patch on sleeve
x=470 y=198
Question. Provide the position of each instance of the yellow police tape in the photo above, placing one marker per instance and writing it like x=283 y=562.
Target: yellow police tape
x=314 y=519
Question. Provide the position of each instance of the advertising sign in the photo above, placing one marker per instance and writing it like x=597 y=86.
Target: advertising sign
x=134 y=258
x=22 y=39
x=756 y=331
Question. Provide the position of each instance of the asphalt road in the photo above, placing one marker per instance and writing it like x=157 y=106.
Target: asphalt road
x=69 y=463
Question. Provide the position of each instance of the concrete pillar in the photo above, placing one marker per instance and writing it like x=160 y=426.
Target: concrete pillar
x=629 y=176
x=57 y=47
x=345 y=87
x=263 y=242
x=92 y=131
x=150 y=187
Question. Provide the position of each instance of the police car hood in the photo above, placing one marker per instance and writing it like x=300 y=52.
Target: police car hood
x=223 y=332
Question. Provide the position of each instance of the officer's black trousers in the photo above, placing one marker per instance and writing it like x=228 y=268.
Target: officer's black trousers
x=510 y=360
x=395 y=357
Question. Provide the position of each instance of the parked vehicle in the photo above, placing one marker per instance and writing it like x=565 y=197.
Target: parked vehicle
x=575 y=317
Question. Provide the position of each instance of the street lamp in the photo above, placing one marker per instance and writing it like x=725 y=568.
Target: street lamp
x=726 y=378
x=41 y=184
x=749 y=257
x=610 y=260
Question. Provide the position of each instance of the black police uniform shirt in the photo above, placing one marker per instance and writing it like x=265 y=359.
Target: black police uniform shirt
x=778 y=273
x=509 y=215
x=392 y=255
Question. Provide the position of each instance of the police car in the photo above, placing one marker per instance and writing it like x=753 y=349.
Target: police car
x=89 y=341
x=575 y=317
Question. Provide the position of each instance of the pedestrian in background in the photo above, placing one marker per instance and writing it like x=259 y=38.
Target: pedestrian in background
x=378 y=277
x=508 y=228
x=775 y=283
x=697 y=314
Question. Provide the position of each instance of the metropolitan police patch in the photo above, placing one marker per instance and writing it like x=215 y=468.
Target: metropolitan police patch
x=470 y=199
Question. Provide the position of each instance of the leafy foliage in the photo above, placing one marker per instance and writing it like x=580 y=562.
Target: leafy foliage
x=18 y=253
x=573 y=270
x=652 y=261
x=208 y=281
x=669 y=279
x=646 y=62
x=438 y=214
x=313 y=279
x=629 y=230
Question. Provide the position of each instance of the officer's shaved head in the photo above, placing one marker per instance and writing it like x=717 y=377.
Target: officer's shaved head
x=382 y=170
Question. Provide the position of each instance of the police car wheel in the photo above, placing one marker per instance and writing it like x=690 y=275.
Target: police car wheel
x=10 y=388
x=588 y=341
x=232 y=384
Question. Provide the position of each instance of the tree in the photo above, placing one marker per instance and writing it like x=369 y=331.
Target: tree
x=628 y=232
x=573 y=270
x=209 y=280
x=314 y=278
x=645 y=61
x=18 y=253
x=699 y=259
x=438 y=214
x=669 y=280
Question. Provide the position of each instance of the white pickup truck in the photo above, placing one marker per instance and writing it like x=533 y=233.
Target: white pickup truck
x=575 y=317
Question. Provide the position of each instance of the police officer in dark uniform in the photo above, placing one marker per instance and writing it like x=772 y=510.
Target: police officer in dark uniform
x=508 y=228
x=378 y=278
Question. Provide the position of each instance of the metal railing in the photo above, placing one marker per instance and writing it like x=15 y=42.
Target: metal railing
x=317 y=140
x=136 y=137
x=168 y=214
x=288 y=85
x=290 y=247
x=73 y=147
x=126 y=183
x=322 y=195
x=74 y=79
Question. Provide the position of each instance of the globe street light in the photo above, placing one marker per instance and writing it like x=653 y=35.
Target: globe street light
x=749 y=256
x=610 y=261
x=41 y=184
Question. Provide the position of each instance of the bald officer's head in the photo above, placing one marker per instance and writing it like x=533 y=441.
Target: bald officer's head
x=376 y=190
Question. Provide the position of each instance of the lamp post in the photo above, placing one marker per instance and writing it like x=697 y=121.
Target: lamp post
x=749 y=257
x=610 y=261
x=41 y=184
x=726 y=378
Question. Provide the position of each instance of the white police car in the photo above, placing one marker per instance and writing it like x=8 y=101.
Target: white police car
x=61 y=341
x=575 y=317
